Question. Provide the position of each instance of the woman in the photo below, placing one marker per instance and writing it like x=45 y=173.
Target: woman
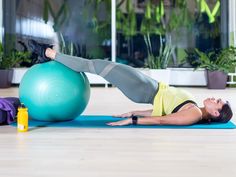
x=171 y=106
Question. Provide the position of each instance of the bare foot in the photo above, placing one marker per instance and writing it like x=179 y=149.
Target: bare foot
x=50 y=53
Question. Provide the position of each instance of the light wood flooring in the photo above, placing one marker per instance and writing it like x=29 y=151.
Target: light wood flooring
x=98 y=152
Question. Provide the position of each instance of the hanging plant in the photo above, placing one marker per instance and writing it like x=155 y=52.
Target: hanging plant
x=59 y=18
x=98 y=25
x=126 y=23
x=204 y=8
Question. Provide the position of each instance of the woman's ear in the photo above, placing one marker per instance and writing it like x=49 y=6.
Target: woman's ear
x=216 y=113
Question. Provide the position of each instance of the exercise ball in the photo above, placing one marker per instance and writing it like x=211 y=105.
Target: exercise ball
x=54 y=92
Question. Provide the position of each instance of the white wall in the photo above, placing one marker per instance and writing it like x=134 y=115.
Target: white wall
x=113 y=30
x=232 y=30
x=1 y=16
x=232 y=22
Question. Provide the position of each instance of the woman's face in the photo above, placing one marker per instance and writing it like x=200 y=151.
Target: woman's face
x=213 y=106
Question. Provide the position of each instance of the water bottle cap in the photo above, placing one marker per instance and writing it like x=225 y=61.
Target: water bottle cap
x=22 y=105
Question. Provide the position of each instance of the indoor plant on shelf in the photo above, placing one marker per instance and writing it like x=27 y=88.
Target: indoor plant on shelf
x=151 y=25
x=7 y=62
x=6 y=73
x=217 y=65
x=165 y=24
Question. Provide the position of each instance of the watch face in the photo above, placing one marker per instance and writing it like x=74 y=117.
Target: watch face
x=134 y=120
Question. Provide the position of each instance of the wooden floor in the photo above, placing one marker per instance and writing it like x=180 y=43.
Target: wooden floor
x=76 y=152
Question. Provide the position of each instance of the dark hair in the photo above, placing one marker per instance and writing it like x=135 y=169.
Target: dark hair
x=226 y=114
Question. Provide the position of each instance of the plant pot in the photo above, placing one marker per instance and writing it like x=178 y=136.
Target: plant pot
x=6 y=78
x=216 y=79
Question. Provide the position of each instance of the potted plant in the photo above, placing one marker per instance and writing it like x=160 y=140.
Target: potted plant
x=163 y=23
x=217 y=64
x=5 y=72
x=7 y=62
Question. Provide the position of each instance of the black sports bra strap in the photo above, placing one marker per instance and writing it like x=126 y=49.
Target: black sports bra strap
x=182 y=104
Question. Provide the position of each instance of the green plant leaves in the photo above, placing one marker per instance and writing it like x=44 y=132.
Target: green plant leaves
x=13 y=59
x=205 y=8
x=222 y=61
x=127 y=22
x=59 y=17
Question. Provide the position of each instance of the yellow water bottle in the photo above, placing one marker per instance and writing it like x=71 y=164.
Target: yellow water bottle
x=22 y=119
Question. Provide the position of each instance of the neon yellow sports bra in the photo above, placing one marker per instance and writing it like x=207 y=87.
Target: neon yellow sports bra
x=169 y=99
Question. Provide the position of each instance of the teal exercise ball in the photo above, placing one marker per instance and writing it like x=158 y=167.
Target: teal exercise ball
x=54 y=92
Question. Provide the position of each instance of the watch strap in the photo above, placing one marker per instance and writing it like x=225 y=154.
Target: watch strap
x=134 y=120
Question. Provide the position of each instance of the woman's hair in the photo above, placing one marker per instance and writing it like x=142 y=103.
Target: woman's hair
x=226 y=114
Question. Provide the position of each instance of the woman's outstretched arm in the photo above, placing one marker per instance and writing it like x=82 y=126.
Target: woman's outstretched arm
x=184 y=117
x=135 y=113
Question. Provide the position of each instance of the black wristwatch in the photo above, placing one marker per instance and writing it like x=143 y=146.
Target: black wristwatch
x=134 y=120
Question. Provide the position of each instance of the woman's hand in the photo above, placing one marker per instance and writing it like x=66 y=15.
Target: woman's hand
x=125 y=115
x=121 y=122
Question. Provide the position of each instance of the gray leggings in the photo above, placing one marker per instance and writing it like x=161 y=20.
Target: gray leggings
x=134 y=84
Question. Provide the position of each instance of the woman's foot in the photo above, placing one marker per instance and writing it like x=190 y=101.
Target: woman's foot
x=40 y=50
x=50 y=53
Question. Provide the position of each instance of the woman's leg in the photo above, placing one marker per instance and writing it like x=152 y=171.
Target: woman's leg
x=135 y=85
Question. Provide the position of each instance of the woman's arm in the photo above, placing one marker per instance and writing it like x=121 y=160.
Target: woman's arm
x=135 y=113
x=185 y=117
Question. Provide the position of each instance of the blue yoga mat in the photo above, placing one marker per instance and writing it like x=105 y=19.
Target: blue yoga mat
x=95 y=121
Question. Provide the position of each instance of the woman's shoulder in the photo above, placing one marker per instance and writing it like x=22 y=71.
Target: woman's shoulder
x=192 y=107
